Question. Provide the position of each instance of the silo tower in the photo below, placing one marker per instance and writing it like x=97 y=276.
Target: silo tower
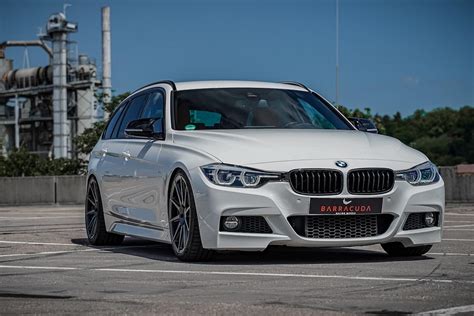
x=58 y=28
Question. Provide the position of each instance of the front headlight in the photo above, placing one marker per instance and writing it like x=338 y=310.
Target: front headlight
x=426 y=173
x=234 y=176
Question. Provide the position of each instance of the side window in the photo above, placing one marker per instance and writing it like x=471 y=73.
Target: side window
x=132 y=113
x=113 y=121
x=154 y=105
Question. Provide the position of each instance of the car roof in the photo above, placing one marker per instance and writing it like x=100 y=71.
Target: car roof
x=212 y=84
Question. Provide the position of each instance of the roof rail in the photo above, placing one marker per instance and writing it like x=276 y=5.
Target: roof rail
x=295 y=83
x=169 y=82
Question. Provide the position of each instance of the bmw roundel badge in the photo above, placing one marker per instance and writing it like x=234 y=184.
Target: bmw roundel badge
x=341 y=164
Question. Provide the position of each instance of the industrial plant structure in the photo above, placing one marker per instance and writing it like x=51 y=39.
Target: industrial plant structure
x=44 y=108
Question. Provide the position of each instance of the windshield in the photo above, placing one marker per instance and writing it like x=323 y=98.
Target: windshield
x=248 y=108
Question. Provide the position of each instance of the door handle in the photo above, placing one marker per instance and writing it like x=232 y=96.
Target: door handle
x=126 y=154
x=104 y=151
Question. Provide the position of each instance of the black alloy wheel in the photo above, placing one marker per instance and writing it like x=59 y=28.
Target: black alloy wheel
x=183 y=221
x=94 y=218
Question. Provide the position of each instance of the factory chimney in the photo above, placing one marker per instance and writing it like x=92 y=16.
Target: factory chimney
x=106 y=58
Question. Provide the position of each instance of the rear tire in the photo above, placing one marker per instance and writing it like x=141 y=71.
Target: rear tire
x=396 y=249
x=94 y=218
x=183 y=221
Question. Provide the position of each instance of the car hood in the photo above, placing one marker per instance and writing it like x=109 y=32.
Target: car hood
x=254 y=147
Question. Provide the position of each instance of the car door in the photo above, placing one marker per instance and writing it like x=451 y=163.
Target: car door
x=111 y=161
x=143 y=174
x=118 y=191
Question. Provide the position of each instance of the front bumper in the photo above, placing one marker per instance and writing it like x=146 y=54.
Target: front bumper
x=276 y=201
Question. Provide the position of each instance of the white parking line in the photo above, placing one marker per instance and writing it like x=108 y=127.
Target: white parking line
x=5 y=218
x=449 y=254
x=40 y=268
x=37 y=243
x=47 y=253
x=65 y=213
x=253 y=274
x=458 y=230
x=457 y=214
x=454 y=239
x=459 y=226
x=449 y=311
x=71 y=251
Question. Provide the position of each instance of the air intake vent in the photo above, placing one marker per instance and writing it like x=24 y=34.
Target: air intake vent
x=249 y=224
x=370 y=181
x=417 y=221
x=340 y=226
x=316 y=181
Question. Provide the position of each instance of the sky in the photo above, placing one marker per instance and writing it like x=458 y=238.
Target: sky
x=394 y=55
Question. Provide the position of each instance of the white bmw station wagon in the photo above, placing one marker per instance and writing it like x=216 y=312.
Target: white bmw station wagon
x=237 y=165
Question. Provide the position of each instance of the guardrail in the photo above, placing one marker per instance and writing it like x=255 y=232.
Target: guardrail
x=71 y=189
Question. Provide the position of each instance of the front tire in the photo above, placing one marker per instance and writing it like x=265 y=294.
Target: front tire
x=183 y=221
x=396 y=249
x=94 y=218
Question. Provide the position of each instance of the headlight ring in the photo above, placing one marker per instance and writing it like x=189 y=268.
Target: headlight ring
x=235 y=176
x=423 y=174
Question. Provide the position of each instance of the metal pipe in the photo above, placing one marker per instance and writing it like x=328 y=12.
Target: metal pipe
x=106 y=58
x=39 y=43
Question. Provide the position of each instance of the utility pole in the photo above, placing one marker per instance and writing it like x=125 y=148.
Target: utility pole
x=17 y=122
x=106 y=59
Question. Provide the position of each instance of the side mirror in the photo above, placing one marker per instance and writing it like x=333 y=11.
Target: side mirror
x=364 y=125
x=147 y=128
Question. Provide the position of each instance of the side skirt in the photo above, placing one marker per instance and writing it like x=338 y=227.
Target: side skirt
x=124 y=226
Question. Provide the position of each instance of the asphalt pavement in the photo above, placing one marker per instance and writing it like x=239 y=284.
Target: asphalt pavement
x=47 y=266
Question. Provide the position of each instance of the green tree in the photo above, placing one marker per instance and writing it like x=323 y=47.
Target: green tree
x=445 y=135
x=22 y=163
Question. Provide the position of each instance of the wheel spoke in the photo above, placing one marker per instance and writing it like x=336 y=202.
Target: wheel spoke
x=90 y=212
x=186 y=198
x=174 y=203
x=178 y=194
x=174 y=219
x=185 y=236
x=176 y=232
x=183 y=193
x=94 y=192
x=186 y=210
x=92 y=225
x=92 y=201
x=181 y=239
x=186 y=223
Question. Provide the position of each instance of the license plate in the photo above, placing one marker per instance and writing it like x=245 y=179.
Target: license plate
x=352 y=206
